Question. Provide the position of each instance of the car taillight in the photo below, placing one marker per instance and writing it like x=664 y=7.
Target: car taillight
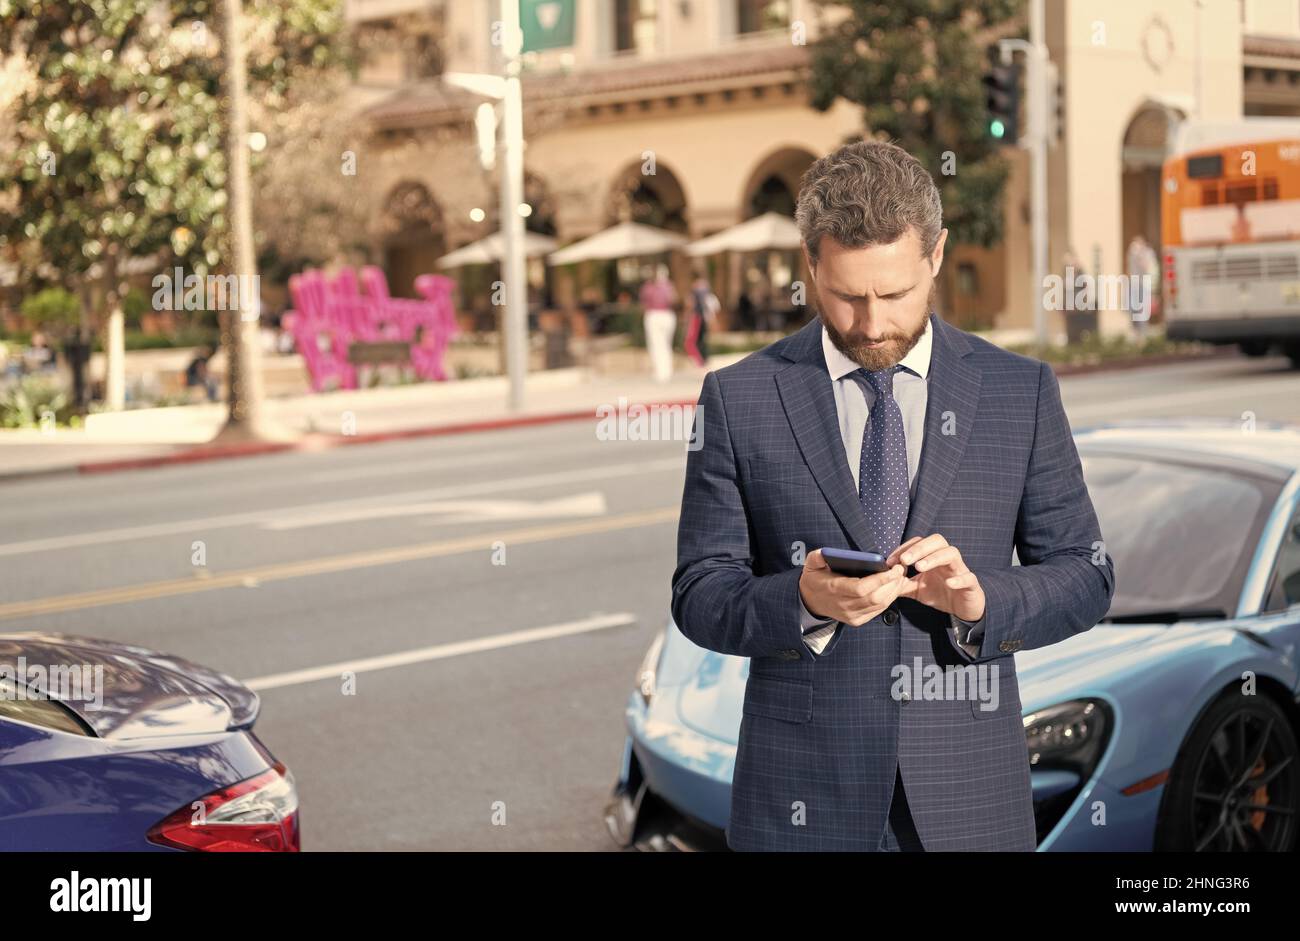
x=1171 y=281
x=257 y=815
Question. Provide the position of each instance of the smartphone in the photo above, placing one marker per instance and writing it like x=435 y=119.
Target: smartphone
x=853 y=563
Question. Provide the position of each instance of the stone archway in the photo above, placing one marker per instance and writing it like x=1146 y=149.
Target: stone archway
x=655 y=199
x=1148 y=140
x=412 y=236
x=773 y=184
x=757 y=287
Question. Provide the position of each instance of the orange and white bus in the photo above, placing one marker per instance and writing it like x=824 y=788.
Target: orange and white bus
x=1230 y=224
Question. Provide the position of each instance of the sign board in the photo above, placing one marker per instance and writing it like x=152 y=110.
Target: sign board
x=546 y=24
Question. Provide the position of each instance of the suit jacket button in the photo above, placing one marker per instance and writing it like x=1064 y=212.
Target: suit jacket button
x=790 y=654
x=1009 y=646
x=890 y=617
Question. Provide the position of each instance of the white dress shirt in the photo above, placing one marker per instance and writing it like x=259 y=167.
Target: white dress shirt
x=853 y=401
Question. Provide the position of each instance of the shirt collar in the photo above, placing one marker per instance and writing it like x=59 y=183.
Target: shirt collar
x=917 y=359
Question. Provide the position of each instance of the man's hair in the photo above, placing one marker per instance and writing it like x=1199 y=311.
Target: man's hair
x=868 y=193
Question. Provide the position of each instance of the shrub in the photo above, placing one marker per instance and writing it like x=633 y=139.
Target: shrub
x=23 y=404
x=54 y=309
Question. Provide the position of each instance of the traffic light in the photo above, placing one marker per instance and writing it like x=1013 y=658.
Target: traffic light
x=1055 y=105
x=1002 y=100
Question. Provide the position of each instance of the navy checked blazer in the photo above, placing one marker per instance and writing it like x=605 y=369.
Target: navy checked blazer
x=821 y=737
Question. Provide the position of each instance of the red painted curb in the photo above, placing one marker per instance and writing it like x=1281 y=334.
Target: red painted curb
x=326 y=442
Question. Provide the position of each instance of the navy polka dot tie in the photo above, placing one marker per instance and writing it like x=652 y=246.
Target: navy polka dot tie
x=882 y=473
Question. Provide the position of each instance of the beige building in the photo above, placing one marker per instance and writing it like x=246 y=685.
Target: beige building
x=692 y=115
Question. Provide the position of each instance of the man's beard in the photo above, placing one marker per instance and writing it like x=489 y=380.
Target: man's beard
x=896 y=345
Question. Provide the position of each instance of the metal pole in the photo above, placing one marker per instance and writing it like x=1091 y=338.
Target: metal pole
x=1199 y=65
x=1037 y=105
x=515 y=317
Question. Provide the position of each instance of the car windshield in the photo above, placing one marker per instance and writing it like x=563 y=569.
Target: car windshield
x=1181 y=535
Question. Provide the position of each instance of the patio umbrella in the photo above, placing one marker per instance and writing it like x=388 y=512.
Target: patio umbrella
x=767 y=232
x=625 y=240
x=492 y=247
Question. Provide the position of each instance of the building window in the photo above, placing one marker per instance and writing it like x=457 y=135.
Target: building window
x=634 y=25
x=756 y=16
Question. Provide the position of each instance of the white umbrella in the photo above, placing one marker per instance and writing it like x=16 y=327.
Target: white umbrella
x=769 y=231
x=492 y=248
x=625 y=240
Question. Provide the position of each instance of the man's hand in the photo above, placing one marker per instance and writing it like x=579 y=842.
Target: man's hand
x=942 y=579
x=846 y=598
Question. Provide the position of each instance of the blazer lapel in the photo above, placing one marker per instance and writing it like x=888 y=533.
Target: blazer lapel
x=952 y=399
x=809 y=402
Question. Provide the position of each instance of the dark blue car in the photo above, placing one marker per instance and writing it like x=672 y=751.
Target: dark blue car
x=105 y=746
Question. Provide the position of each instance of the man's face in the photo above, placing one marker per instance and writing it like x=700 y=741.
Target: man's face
x=875 y=300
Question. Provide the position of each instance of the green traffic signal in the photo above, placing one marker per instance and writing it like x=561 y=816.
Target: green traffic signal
x=1002 y=98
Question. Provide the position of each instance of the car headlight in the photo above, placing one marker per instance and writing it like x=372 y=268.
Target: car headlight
x=1069 y=735
x=647 y=672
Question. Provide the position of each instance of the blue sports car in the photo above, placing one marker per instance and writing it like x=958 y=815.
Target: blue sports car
x=1171 y=725
x=105 y=746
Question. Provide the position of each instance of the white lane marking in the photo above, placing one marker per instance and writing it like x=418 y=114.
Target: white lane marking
x=257 y=517
x=591 y=503
x=414 y=465
x=458 y=648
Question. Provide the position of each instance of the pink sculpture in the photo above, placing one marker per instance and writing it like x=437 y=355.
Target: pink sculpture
x=332 y=313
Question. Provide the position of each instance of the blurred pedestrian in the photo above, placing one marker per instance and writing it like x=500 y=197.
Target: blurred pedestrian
x=1144 y=266
x=10 y=366
x=704 y=310
x=197 y=374
x=768 y=319
x=658 y=297
x=38 y=356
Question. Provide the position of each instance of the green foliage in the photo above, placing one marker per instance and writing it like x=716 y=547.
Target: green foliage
x=52 y=309
x=134 y=304
x=1093 y=348
x=915 y=68
x=23 y=403
x=183 y=338
x=114 y=146
x=630 y=321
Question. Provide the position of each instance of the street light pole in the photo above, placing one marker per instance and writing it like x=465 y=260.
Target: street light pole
x=1038 y=104
x=1037 y=72
x=515 y=317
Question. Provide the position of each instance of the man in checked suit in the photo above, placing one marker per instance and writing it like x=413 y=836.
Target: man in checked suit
x=879 y=427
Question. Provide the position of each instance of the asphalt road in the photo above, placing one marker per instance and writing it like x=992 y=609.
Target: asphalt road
x=444 y=557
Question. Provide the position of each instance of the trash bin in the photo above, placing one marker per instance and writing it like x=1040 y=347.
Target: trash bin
x=1078 y=323
x=555 y=340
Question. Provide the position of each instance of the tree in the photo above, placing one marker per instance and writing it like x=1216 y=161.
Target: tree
x=915 y=68
x=309 y=179
x=115 y=146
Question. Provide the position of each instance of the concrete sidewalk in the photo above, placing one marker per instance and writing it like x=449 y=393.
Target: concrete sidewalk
x=147 y=437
